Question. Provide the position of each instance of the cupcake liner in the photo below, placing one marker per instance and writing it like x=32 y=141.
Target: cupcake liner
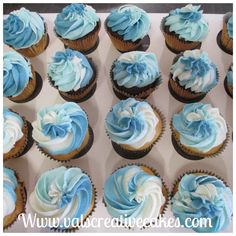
x=81 y=94
x=228 y=89
x=188 y=153
x=81 y=153
x=174 y=44
x=86 y=44
x=134 y=92
x=164 y=187
x=21 y=207
x=219 y=43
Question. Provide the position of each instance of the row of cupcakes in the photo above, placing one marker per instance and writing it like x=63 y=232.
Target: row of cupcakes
x=62 y=131
x=78 y=25
x=133 y=192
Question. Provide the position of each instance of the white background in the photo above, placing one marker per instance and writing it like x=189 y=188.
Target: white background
x=102 y=160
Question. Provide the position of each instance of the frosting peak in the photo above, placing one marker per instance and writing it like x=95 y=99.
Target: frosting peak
x=230 y=27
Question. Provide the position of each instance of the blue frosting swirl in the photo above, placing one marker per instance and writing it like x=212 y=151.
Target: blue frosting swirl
x=230 y=27
x=16 y=73
x=188 y=23
x=70 y=70
x=200 y=126
x=23 y=28
x=62 y=192
x=76 y=21
x=229 y=76
x=130 y=22
x=203 y=196
x=136 y=69
x=60 y=128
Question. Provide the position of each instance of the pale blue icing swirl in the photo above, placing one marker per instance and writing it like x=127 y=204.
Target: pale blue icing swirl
x=23 y=28
x=229 y=76
x=136 y=69
x=130 y=22
x=70 y=70
x=131 y=122
x=203 y=196
x=76 y=21
x=200 y=126
x=60 y=128
x=132 y=193
x=64 y=193
x=16 y=73
x=188 y=23
x=230 y=27
x=195 y=71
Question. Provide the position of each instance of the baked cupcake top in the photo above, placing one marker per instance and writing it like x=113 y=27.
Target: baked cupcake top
x=132 y=193
x=75 y=21
x=70 y=70
x=63 y=193
x=130 y=22
x=203 y=196
x=9 y=194
x=23 y=28
x=229 y=76
x=16 y=74
x=200 y=126
x=188 y=23
x=136 y=69
x=61 y=128
x=131 y=122
x=230 y=27
x=12 y=129
x=195 y=71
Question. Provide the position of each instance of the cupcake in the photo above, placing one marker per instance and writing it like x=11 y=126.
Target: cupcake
x=133 y=127
x=127 y=26
x=14 y=197
x=226 y=37
x=192 y=76
x=73 y=75
x=228 y=82
x=20 y=82
x=17 y=138
x=26 y=32
x=202 y=196
x=65 y=194
x=199 y=131
x=135 y=192
x=77 y=26
x=62 y=131
x=135 y=74
x=184 y=28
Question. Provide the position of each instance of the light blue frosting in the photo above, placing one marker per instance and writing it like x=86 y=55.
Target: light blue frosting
x=130 y=22
x=136 y=69
x=72 y=185
x=70 y=70
x=229 y=76
x=66 y=119
x=75 y=21
x=203 y=197
x=23 y=28
x=16 y=73
x=200 y=126
x=230 y=27
x=188 y=23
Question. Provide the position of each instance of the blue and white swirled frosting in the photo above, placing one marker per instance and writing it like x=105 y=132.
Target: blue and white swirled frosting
x=132 y=193
x=12 y=129
x=62 y=193
x=229 y=76
x=16 y=74
x=131 y=122
x=136 y=69
x=9 y=194
x=200 y=126
x=75 y=21
x=195 y=71
x=23 y=28
x=230 y=27
x=70 y=70
x=203 y=196
x=188 y=23
x=130 y=22
x=60 y=129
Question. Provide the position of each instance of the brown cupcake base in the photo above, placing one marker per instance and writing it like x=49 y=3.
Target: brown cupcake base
x=218 y=40
x=227 y=89
x=38 y=88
